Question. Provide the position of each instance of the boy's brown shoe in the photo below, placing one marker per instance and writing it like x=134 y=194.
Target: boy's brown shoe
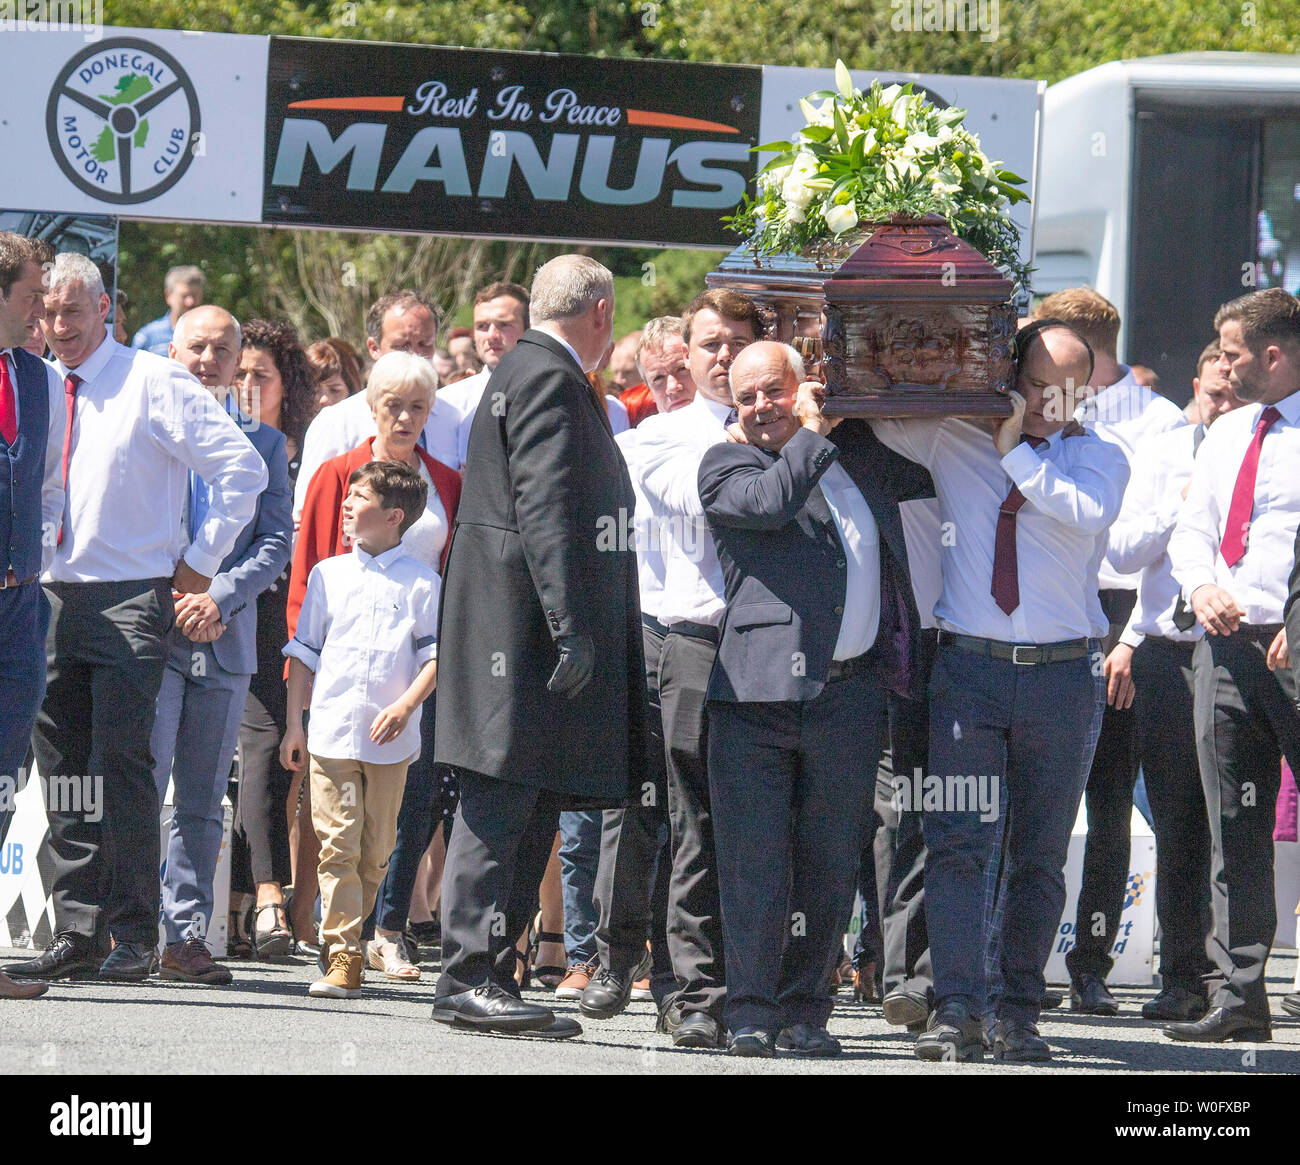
x=342 y=980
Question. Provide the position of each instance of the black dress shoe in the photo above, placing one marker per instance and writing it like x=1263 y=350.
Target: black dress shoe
x=904 y=1008
x=752 y=1043
x=1176 y=1003
x=608 y=993
x=670 y=1019
x=490 y=1008
x=1050 y=1001
x=804 y=1039
x=69 y=956
x=1221 y=1026
x=1089 y=996
x=698 y=1029
x=1018 y=1042
x=129 y=963
x=1291 y=1003
x=952 y=1036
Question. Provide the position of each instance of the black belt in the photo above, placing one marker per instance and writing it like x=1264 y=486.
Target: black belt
x=654 y=625
x=1022 y=653
x=1259 y=630
x=693 y=630
x=841 y=669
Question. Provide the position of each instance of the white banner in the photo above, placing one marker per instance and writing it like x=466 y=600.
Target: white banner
x=138 y=123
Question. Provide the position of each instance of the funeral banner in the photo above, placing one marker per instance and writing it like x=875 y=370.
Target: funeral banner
x=527 y=145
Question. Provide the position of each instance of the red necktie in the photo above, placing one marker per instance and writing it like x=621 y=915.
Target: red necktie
x=1006 y=580
x=8 y=404
x=1237 y=530
x=70 y=383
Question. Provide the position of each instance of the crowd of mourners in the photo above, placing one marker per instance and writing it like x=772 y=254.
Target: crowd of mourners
x=880 y=664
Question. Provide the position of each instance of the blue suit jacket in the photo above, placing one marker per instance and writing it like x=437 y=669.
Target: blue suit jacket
x=258 y=557
x=785 y=568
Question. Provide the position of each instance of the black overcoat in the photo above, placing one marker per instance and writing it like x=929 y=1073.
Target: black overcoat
x=542 y=548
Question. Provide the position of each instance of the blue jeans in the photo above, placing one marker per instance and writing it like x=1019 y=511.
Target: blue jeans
x=1029 y=726
x=579 y=859
x=24 y=620
x=196 y=728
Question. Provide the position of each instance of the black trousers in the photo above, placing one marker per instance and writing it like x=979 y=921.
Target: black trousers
x=104 y=663
x=694 y=916
x=495 y=862
x=1162 y=671
x=1109 y=797
x=631 y=891
x=906 y=940
x=792 y=791
x=1246 y=721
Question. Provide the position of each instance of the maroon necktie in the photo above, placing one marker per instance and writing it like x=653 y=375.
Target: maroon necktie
x=1237 y=530
x=8 y=404
x=1006 y=581
x=70 y=383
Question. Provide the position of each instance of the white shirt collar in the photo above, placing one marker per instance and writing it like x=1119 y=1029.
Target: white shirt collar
x=93 y=364
x=561 y=340
x=717 y=410
x=1289 y=407
x=383 y=561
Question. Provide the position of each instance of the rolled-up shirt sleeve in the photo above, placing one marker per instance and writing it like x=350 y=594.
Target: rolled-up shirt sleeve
x=313 y=625
x=187 y=420
x=1089 y=500
x=424 y=634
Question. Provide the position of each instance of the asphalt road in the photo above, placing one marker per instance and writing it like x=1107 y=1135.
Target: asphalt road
x=266 y=1023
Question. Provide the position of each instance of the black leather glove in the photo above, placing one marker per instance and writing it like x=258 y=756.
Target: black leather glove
x=576 y=667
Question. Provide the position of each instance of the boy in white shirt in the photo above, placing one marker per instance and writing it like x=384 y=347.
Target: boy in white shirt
x=365 y=647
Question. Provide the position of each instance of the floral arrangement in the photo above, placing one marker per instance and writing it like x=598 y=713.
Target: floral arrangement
x=866 y=157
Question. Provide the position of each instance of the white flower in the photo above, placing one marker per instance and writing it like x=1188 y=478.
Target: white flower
x=794 y=214
x=921 y=142
x=890 y=95
x=844 y=81
x=841 y=218
x=774 y=179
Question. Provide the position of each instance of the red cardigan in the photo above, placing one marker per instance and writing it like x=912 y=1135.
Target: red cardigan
x=320 y=534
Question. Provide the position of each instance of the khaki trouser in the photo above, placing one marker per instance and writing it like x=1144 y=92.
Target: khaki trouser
x=354 y=808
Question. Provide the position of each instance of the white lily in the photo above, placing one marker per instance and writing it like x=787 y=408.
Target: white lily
x=841 y=218
x=844 y=81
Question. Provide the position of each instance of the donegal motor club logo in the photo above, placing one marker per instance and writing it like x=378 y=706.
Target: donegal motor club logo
x=123 y=120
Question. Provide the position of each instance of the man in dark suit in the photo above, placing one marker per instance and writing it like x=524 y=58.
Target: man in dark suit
x=31 y=500
x=211 y=655
x=820 y=620
x=541 y=701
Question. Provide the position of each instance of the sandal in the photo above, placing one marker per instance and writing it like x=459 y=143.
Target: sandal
x=384 y=954
x=548 y=974
x=273 y=943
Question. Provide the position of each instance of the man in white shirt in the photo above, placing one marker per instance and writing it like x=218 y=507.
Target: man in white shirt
x=139 y=423
x=1122 y=412
x=1012 y=690
x=1232 y=551
x=500 y=319
x=1159 y=638
x=717 y=325
x=400 y=322
x=632 y=877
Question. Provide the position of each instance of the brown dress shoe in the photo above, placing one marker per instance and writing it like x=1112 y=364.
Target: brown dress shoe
x=189 y=962
x=11 y=989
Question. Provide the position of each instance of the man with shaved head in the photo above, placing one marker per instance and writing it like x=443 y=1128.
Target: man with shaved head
x=818 y=602
x=211 y=655
x=1012 y=693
